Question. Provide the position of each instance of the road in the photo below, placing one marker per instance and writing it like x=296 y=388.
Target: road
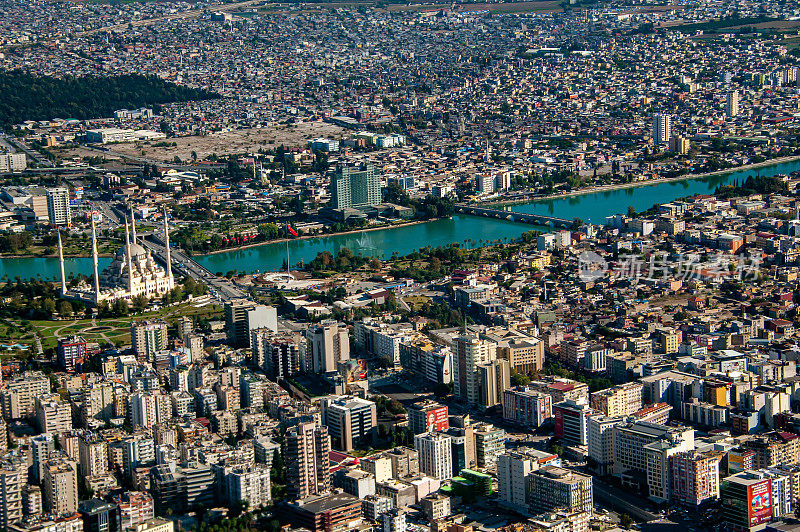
x=40 y=159
x=194 y=13
x=613 y=497
x=185 y=265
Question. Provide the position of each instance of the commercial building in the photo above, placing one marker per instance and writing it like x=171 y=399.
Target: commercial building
x=327 y=344
x=326 y=513
x=513 y=468
x=427 y=415
x=746 y=501
x=621 y=400
x=435 y=455
x=243 y=316
x=600 y=442
x=352 y=422
x=570 y=422
x=490 y=442
x=353 y=187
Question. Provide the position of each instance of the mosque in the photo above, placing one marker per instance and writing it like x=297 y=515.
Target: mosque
x=133 y=272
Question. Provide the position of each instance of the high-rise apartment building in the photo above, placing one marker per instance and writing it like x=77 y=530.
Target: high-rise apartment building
x=351 y=421
x=493 y=379
x=353 y=187
x=18 y=397
x=662 y=128
x=600 y=441
x=513 y=468
x=92 y=454
x=70 y=352
x=695 y=478
x=621 y=400
x=553 y=487
x=42 y=446
x=327 y=344
x=306 y=449
x=732 y=104
x=148 y=338
x=53 y=415
x=435 y=455
x=527 y=407
x=58 y=208
x=60 y=486
x=490 y=442
x=13 y=477
x=469 y=352
x=278 y=357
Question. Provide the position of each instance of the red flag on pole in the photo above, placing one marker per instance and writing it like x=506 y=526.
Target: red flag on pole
x=292 y=231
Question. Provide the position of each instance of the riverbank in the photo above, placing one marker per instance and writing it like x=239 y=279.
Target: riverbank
x=649 y=182
x=321 y=235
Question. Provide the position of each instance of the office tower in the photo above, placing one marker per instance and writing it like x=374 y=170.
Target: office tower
x=600 y=441
x=249 y=483
x=278 y=357
x=58 y=209
x=98 y=516
x=60 y=486
x=351 y=421
x=243 y=316
x=746 y=501
x=570 y=422
x=695 y=478
x=13 y=475
x=732 y=104
x=427 y=416
x=662 y=128
x=92 y=455
x=306 y=449
x=53 y=415
x=42 y=446
x=469 y=352
x=353 y=187
x=490 y=442
x=133 y=508
x=148 y=338
x=328 y=344
x=513 y=468
x=553 y=487
x=20 y=392
x=393 y=521
x=527 y=407
x=71 y=352
x=493 y=379
x=435 y=455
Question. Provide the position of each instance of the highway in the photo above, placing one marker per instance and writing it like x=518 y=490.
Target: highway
x=183 y=264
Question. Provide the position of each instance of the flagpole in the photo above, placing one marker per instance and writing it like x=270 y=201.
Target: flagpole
x=287 y=257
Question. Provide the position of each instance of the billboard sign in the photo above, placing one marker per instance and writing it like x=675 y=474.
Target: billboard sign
x=759 y=502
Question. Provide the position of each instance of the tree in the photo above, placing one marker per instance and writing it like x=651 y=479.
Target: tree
x=625 y=521
x=65 y=308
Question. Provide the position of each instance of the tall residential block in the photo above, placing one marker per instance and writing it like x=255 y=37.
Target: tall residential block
x=353 y=187
x=306 y=449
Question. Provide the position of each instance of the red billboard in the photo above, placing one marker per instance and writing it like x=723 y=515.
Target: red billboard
x=759 y=502
x=437 y=418
x=559 y=428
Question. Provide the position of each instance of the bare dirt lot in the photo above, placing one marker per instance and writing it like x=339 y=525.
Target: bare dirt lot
x=226 y=143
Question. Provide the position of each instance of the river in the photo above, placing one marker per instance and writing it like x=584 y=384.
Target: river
x=469 y=231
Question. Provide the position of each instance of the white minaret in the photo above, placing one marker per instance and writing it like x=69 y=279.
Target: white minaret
x=61 y=264
x=130 y=262
x=168 y=257
x=94 y=263
x=133 y=224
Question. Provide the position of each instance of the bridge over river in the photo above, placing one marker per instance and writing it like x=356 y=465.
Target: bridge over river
x=524 y=217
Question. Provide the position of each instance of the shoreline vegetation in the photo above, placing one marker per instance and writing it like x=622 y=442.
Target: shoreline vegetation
x=649 y=182
x=580 y=192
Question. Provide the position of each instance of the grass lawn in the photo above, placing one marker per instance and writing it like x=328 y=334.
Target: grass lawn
x=416 y=302
x=114 y=330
